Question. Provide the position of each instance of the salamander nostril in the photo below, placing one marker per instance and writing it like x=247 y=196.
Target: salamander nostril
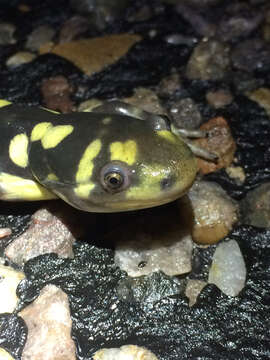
x=167 y=182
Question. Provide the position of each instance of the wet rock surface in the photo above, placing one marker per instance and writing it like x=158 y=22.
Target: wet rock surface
x=90 y=281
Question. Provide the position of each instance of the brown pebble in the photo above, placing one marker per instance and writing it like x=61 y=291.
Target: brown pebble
x=72 y=28
x=219 y=98
x=56 y=93
x=220 y=142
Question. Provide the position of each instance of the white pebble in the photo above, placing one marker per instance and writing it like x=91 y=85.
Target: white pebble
x=228 y=270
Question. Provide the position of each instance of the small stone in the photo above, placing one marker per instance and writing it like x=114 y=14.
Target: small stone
x=262 y=97
x=21 y=57
x=209 y=61
x=72 y=28
x=214 y=212
x=56 y=93
x=169 y=85
x=142 y=14
x=148 y=289
x=93 y=55
x=185 y=114
x=162 y=244
x=5 y=232
x=9 y=280
x=266 y=32
x=6 y=34
x=242 y=24
x=199 y=22
x=251 y=55
x=47 y=233
x=193 y=290
x=125 y=352
x=24 y=8
x=39 y=36
x=237 y=173
x=228 y=270
x=219 y=141
x=100 y=12
x=255 y=207
x=145 y=99
x=4 y=355
x=244 y=82
x=219 y=98
x=49 y=327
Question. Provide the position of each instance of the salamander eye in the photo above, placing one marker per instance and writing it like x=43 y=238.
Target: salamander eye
x=115 y=177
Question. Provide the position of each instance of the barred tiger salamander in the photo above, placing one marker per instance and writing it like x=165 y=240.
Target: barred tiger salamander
x=115 y=158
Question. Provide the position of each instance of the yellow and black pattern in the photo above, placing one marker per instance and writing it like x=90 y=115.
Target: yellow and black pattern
x=95 y=161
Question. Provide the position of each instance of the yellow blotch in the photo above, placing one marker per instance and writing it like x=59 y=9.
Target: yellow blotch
x=4 y=103
x=17 y=188
x=86 y=165
x=39 y=130
x=55 y=135
x=149 y=185
x=168 y=135
x=124 y=151
x=18 y=150
x=84 y=190
x=52 y=177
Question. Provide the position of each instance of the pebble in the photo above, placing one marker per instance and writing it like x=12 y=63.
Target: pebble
x=219 y=98
x=39 y=36
x=251 y=55
x=5 y=232
x=7 y=34
x=21 y=57
x=100 y=12
x=162 y=244
x=209 y=61
x=196 y=19
x=49 y=327
x=148 y=289
x=9 y=280
x=73 y=27
x=47 y=233
x=213 y=212
x=244 y=82
x=237 y=173
x=228 y=270
x=255 y=207
x=4 y=355
x=262 y=97
x=93 y=55
x=144 y=13
x=193 y=290
x=125 y=352
x=145 y=99
x=169 y=85
x=238 y=25
x=185 y=114
x=219 y=141
x=56 y=92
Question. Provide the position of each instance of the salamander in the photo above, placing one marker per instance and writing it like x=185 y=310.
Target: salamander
x=114 y=158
